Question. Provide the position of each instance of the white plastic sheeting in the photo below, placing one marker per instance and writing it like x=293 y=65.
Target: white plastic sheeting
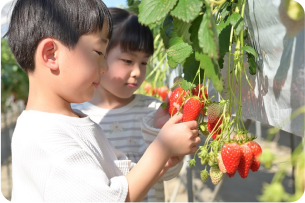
x=279 y=85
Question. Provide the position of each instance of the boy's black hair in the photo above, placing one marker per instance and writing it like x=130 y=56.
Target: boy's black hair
x=64 y=20
x=129 y=33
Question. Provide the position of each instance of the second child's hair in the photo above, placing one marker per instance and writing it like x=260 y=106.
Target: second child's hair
x=64 y=20
x=129 y=33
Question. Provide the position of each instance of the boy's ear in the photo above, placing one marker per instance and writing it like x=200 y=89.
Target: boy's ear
x=49 y=52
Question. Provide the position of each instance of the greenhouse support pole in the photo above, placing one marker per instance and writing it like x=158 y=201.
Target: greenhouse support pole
x=189 y=181
x=292 y=149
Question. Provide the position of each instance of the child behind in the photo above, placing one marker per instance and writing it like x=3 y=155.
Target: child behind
x=59 y=154
x=115 y=107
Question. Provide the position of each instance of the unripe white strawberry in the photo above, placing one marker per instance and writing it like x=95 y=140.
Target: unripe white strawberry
x=220 y=164
x=215 y=174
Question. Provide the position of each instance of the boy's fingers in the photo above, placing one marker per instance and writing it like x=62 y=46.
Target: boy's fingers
x=192 y=124
x=175 y=119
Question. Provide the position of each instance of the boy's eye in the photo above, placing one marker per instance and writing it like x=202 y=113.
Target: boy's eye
x=127 y=61
x=101 y=54
x=144 y=63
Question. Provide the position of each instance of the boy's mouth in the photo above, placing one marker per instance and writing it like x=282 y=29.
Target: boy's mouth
x=131 y=84
x=96 y=84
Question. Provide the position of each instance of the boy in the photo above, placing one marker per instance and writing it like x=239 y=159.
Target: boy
x=115 y=106
x=59 y=154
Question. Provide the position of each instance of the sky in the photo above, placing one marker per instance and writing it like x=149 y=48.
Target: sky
x=115 y=3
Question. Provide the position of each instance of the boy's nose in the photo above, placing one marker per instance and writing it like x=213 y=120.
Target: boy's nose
x=103 y=68
x=136 y=71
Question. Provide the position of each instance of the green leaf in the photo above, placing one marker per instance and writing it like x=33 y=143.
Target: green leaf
x=207 y=34
x=178 y=53
x=250 y=50
x=211 y=70
x=174 y=38
x=166 y=30
x=224 y=10
x=190 y=68
x=187 y=10
x=223 y=24
x=187 y=85
x=237 y=22
x=182 y=29
x=224 y=41
x=194 y=33
x=152 y=11
x=252 y=64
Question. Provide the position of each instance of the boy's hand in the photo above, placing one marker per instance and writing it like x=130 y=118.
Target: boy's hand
x=179 y=138
x=173 y=161
x=162 y=116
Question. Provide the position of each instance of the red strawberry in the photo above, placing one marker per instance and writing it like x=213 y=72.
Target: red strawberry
x=245 y=162
x=230 y=175
x=154 y=91
x=256 y=151
x=147 y=88
x=214 y=127
x=162 y=91
x=176 y=100
x=230 y=154
x=191 y=109
x=196 y=89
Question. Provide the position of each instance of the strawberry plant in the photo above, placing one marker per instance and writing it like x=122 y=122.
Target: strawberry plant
x=199 y=35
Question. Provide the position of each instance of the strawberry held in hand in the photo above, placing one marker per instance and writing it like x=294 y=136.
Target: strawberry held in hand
x=175 y=100
x=230 y=154
x=191 y=109
x=246 y=159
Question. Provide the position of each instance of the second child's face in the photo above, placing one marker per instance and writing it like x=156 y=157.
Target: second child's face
x=127 y=71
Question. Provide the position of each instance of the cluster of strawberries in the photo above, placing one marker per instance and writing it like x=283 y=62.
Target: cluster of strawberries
x=241 y=153
x=190 y=104
x=235 y=156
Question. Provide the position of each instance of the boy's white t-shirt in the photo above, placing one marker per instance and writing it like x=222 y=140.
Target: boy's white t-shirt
x=61 y=158
x=129 y=132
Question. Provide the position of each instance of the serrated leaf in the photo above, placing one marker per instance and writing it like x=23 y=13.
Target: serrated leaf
x=174 y=38
x=237 y=22
x=223 y=24
x=250 y=50
x=252 y=64
x=207 y=34
x=171 y=63
x=178 y=53
x=152 y=11
x=187 y=10
x=224 y=10
x=194 y=33
x=190 y=68
x=186 y=85
x=211 y=70
x=182 y=29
